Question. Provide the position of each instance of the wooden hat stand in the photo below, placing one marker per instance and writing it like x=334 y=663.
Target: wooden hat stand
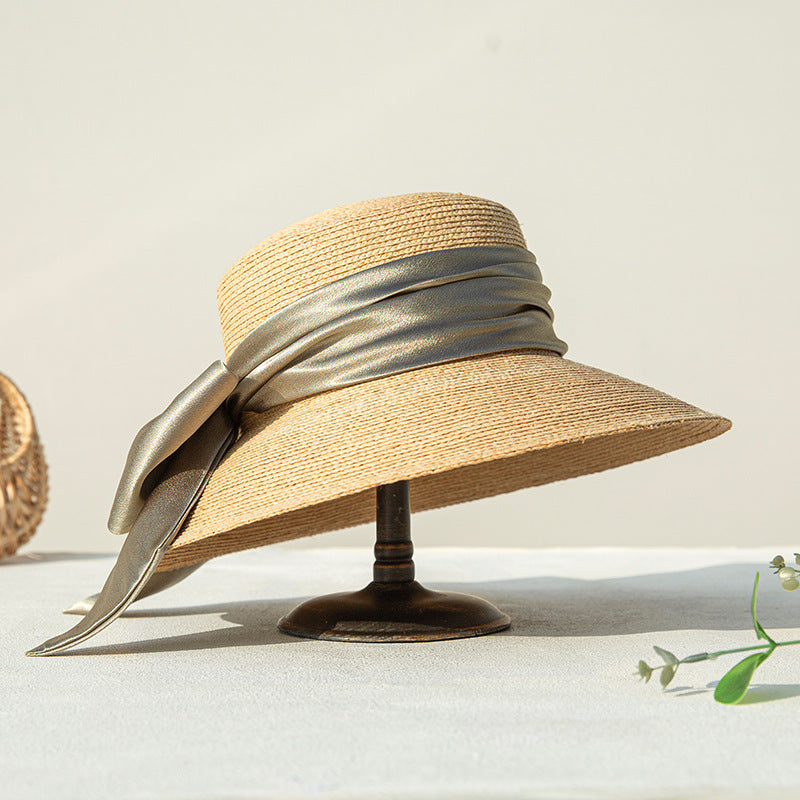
x=393 y=607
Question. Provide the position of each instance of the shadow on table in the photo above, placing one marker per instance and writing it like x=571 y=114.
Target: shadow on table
x=253 y=622
x=39 y=558
x=712 y=598
x=757 y=693
x=766 y=692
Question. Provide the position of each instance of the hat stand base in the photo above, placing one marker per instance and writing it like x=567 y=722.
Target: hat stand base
x=394 y=607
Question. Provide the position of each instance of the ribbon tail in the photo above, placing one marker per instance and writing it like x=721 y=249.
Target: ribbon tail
x=158 y=582
x=155 y=528
x=157 y=441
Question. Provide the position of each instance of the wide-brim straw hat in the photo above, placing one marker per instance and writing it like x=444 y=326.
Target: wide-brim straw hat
x=458 y=431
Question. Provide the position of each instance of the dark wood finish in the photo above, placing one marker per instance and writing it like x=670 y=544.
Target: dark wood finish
x=394 y=607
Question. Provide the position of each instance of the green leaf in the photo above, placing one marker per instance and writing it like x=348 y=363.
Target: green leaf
x=667 y=674
x=645 y=671
x=669 y=658
x=760 y=632
x=733 y=684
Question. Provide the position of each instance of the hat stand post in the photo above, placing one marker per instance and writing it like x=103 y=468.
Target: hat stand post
x=393 y=607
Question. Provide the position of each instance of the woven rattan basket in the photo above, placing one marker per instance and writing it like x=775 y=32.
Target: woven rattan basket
x=23 y=471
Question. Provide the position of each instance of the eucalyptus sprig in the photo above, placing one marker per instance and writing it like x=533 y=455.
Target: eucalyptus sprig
x=733 y=685
x=787 y=575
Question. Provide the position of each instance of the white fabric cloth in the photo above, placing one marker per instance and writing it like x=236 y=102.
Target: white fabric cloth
x=193 y=693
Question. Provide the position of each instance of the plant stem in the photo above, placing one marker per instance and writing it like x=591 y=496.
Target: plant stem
x=706 y=656
x=766 y=646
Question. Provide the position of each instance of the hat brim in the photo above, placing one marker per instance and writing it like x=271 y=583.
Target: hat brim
x=458 y=431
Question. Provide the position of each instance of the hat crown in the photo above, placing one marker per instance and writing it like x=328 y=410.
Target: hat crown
x=338 y=242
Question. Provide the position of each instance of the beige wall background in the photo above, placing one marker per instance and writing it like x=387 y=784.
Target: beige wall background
x=650 y=151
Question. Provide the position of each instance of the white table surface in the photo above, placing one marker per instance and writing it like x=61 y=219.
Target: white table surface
x=195 y=694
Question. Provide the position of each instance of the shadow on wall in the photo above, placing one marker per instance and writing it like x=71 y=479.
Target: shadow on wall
x=712 y=598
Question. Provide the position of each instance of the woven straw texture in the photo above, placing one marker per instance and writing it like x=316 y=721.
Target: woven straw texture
x=23 y=471
x=459 y=431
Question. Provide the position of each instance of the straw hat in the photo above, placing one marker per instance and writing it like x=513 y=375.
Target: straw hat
x=461 y=430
